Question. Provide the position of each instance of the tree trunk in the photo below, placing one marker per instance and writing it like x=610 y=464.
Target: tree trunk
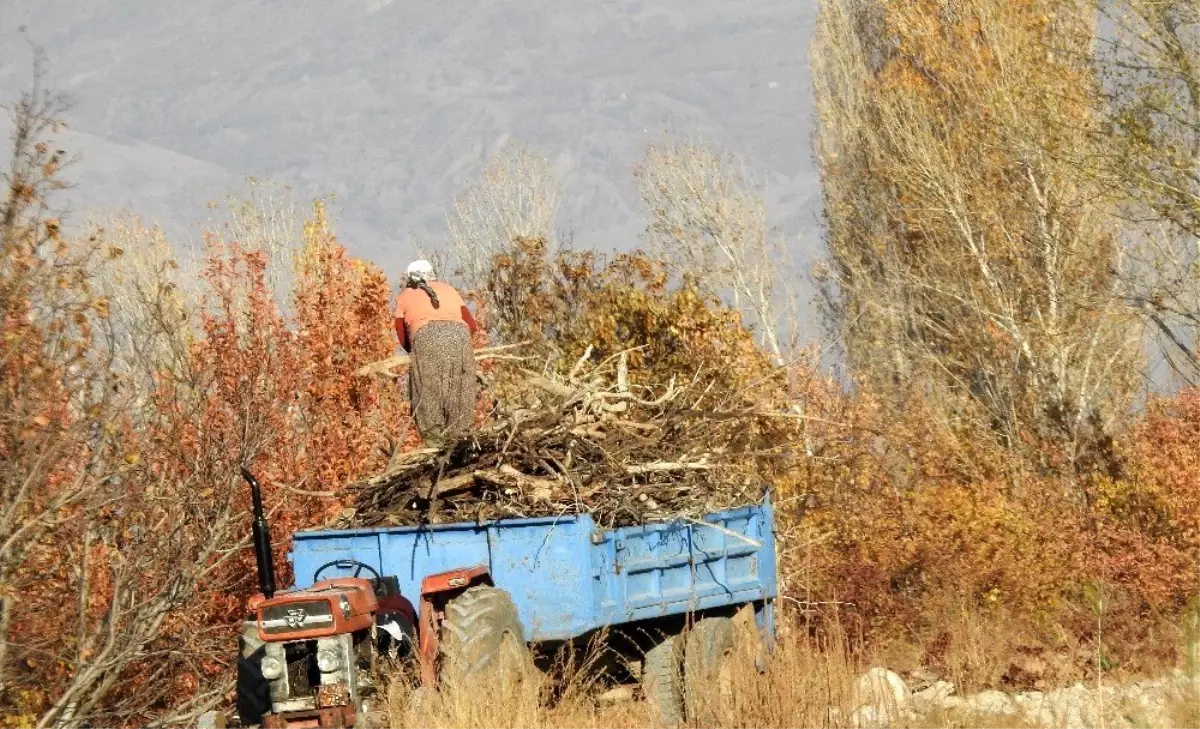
x=5 y=617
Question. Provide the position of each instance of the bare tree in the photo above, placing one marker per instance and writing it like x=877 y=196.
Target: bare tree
x=263 y=217
x=1150 y=65
x=709 y=221
x=118 y=497
x=150 y=309
x=37 y=277
x=973 y=258
x=517 y=197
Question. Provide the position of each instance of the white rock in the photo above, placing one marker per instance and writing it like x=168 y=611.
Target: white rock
x=933 y=696
x=1074 y=707
x=1146 y=702
x=882 y=699
x=879 y=685
x=616 y=695
x=992 y=702
x=873 y=717
x=1140 y=703
x=939 y=688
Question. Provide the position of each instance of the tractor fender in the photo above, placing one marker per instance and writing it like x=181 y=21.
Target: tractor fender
x=436 y=591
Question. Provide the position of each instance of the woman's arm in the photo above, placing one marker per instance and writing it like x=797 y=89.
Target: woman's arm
x=470 y=320
x=402 y=333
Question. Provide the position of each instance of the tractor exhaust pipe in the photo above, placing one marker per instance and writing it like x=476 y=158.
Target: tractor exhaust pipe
x=262 y=540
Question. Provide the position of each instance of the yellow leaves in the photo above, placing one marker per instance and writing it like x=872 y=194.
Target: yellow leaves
x=101 y=307
x=25 y=720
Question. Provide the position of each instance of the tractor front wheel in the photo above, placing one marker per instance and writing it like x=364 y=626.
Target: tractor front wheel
x=253 y=690
x=482 y=640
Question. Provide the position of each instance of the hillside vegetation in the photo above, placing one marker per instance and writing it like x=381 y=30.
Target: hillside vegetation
x=988 y=494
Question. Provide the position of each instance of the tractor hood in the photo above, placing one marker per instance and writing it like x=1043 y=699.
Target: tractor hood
x=329 y=607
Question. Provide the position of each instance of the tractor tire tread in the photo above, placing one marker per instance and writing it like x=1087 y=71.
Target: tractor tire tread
x=662 y=682
x=705 y=653
x=474 y=631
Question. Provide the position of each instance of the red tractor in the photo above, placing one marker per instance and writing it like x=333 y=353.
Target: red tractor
x=309 y=657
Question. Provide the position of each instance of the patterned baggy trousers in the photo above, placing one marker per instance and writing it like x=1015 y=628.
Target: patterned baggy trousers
x=441 y=380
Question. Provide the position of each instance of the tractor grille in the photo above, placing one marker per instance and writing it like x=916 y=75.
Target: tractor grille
x=302 y=670
x=294 y=617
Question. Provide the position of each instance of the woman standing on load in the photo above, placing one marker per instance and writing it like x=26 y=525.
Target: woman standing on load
x=435 y=328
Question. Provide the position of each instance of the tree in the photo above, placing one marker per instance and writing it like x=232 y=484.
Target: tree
x=709 y=223
x=517 y=197
x=94 y=465
x=972 y=258
x=1150 y=65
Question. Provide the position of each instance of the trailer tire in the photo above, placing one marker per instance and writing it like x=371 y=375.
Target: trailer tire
x=253 y=690
x=662 y=682
x=707 y=663
x=483 y=640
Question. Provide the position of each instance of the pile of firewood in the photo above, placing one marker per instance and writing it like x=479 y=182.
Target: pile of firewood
x=584 y=441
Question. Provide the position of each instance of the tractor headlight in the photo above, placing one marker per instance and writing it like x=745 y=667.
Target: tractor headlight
x=345 y=607
x=329 y=660
x=272 y=667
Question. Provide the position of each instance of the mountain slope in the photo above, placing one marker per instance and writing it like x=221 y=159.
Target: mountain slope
x=394 y=104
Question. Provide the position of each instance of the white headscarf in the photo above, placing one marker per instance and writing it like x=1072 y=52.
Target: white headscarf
x=421 y=270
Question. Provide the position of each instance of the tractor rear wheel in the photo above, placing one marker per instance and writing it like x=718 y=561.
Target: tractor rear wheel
x=482 y=640
x=707 y=669
x=662 y=682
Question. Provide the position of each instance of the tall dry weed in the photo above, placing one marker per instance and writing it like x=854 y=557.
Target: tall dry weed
x=804 y=684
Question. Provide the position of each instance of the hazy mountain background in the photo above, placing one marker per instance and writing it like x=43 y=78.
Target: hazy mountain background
x=393 y=105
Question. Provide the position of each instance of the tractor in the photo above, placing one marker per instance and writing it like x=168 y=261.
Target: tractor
x=309 y=657
x=459 y=604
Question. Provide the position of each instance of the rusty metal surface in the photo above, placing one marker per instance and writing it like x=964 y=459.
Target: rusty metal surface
x=274 y=721
x=429 y=640
x=337 y=717
x=333 y=694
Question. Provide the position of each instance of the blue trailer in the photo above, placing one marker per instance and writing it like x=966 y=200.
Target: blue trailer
x=466 y=595
x=568 y=578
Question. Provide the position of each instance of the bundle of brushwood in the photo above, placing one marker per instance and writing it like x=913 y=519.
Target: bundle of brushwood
x=584 y=441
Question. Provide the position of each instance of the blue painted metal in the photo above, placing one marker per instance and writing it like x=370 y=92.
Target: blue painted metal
x=566 y=576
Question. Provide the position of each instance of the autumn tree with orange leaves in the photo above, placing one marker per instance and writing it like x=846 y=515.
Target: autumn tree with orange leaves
x=130 y=401
x=105 y=533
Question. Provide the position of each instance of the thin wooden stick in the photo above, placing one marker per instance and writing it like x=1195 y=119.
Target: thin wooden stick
x=727 y=532
x=385 y=366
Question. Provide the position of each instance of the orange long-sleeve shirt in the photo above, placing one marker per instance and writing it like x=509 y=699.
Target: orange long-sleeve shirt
x=414 y=309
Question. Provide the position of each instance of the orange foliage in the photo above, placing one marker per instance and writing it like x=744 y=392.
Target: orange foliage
x=912 y=514
x=572 y=300
x=274 y=390
x=323 y=426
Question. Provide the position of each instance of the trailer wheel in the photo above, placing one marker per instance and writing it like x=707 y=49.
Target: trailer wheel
x=662 y=682
x=708 y=683
x=482 y=638
x=253 y=690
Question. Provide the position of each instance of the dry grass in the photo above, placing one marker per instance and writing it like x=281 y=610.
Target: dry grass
x=804 y=686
